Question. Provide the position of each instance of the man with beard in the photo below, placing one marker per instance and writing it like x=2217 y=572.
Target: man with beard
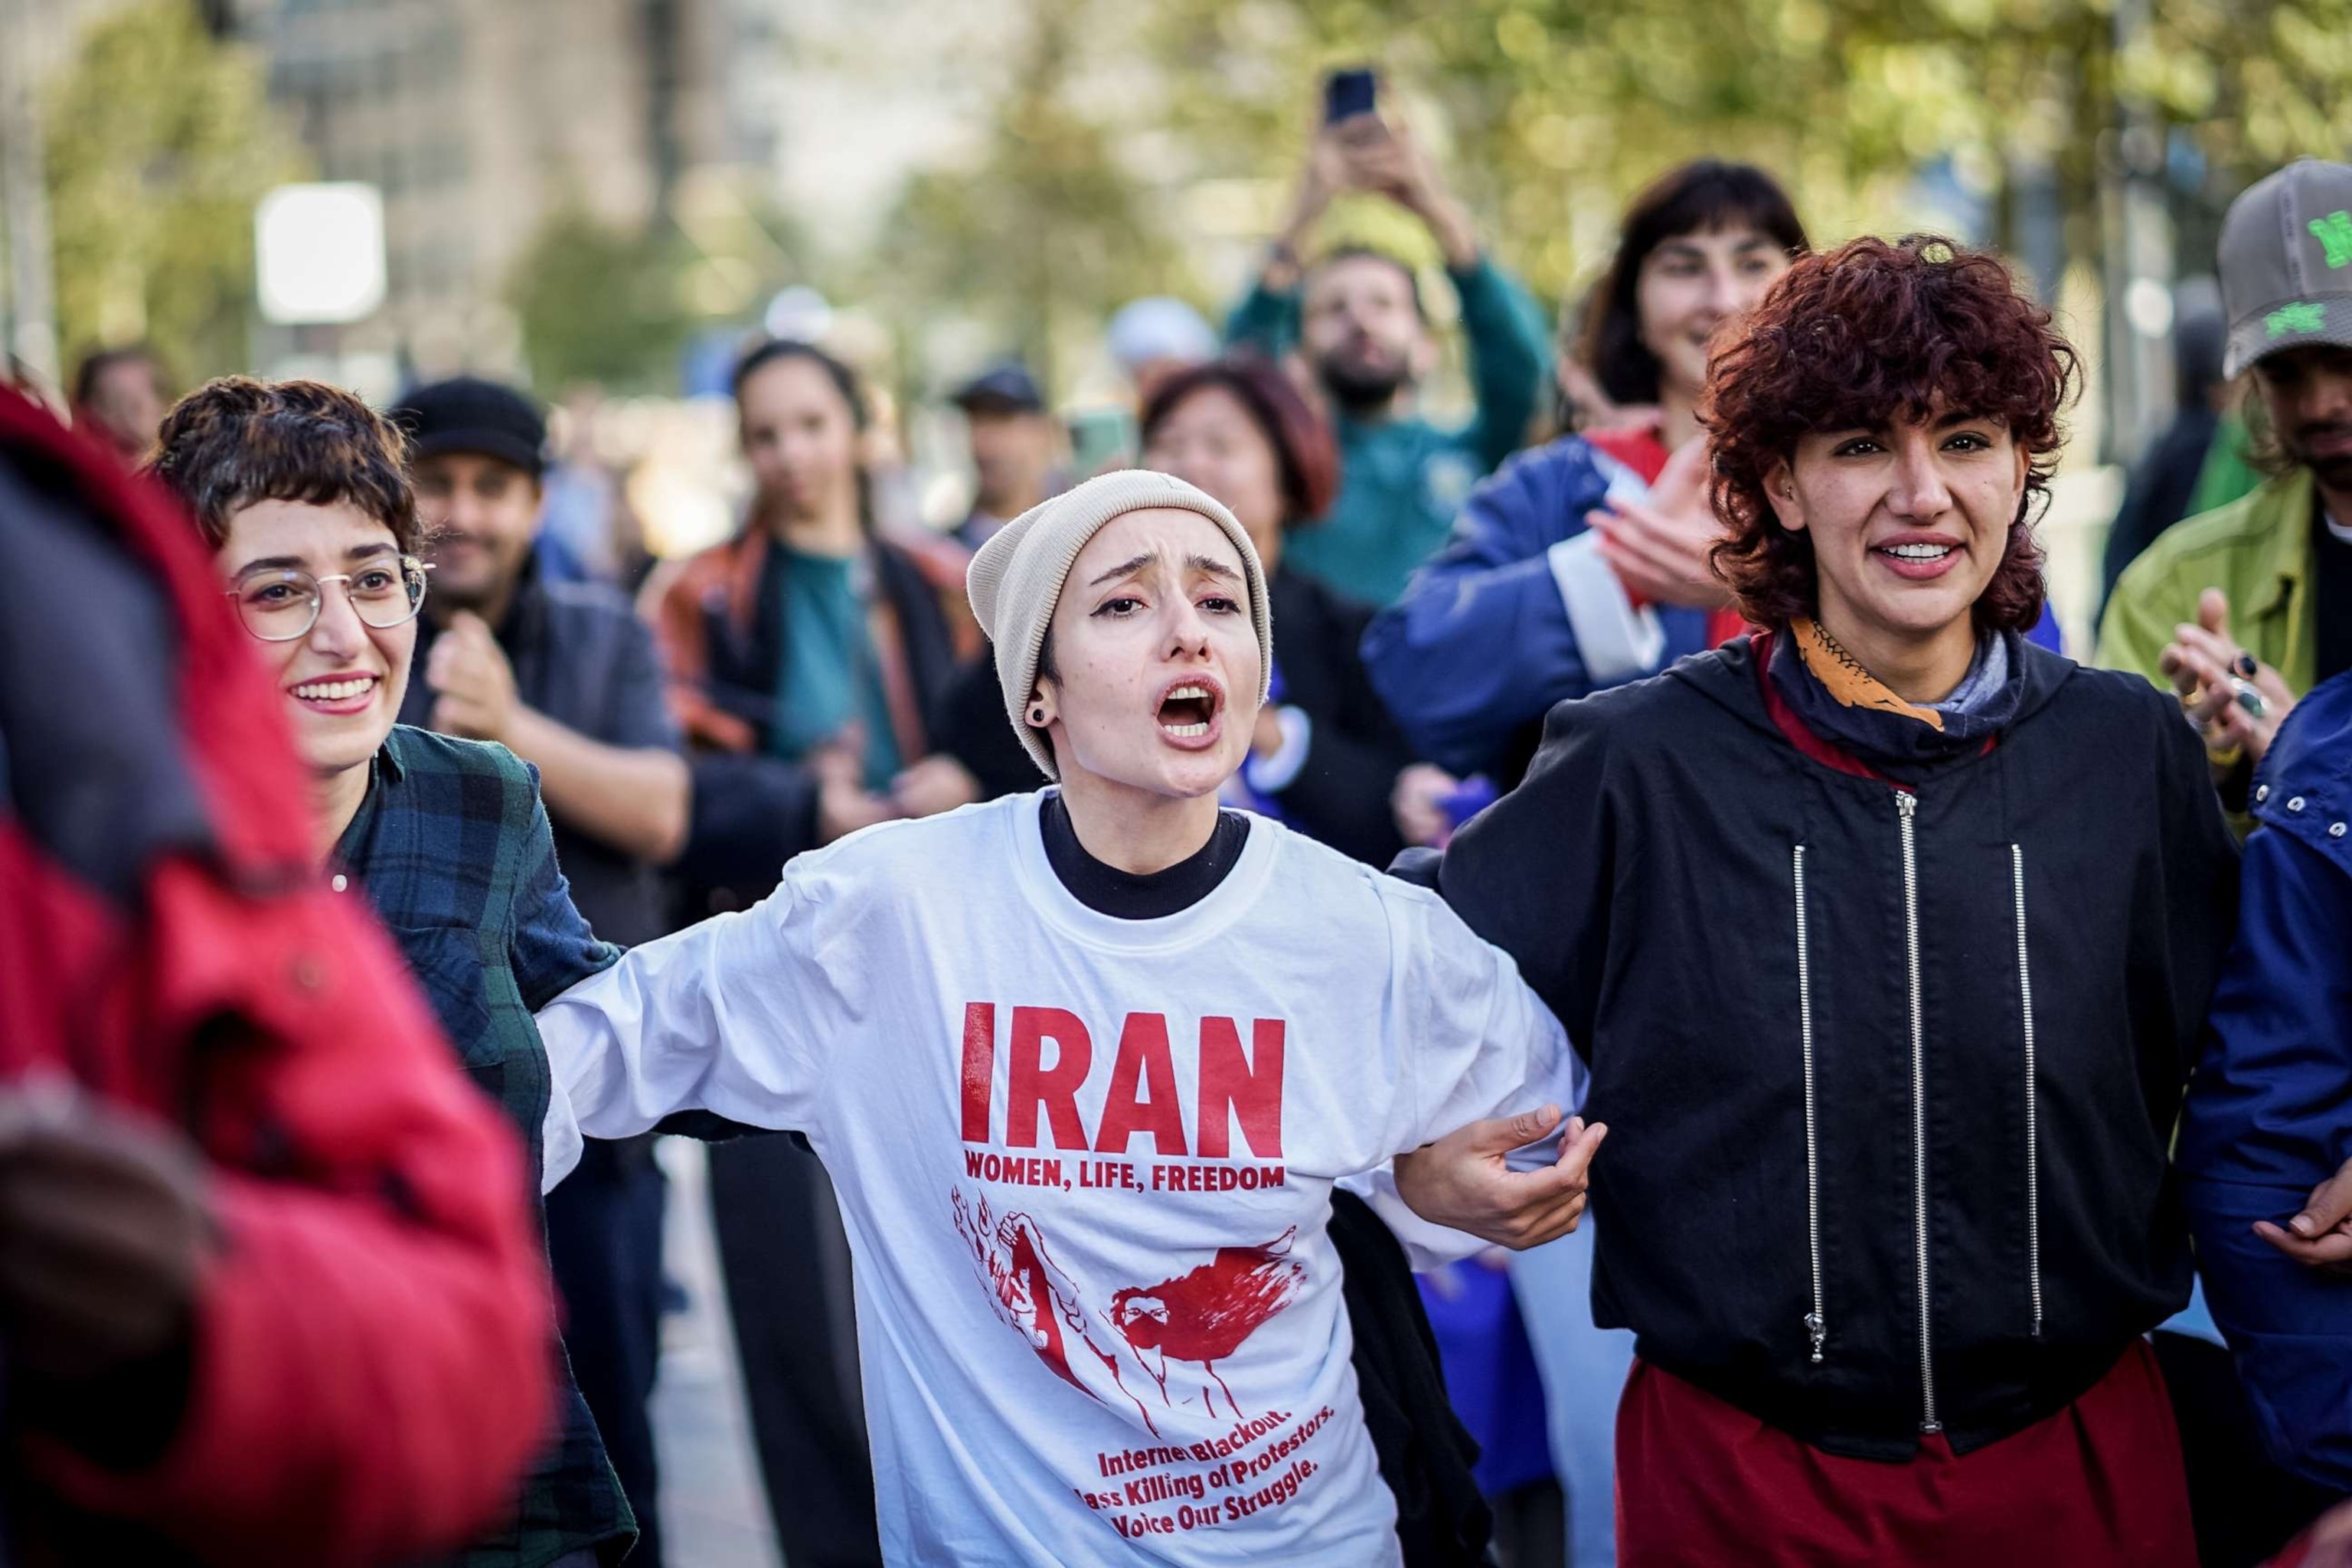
x=566 y=676
x=1357 y=320
x=2244 y=609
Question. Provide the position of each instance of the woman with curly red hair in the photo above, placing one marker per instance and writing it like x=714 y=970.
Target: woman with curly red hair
x=1886 y=935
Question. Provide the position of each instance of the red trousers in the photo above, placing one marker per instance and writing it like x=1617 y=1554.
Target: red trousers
x=2097 y=1484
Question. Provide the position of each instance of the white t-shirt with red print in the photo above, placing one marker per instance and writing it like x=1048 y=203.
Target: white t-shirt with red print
x=1084 y=1164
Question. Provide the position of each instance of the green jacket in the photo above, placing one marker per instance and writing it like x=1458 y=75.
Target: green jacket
x=2257 y=550
x=1401 y=480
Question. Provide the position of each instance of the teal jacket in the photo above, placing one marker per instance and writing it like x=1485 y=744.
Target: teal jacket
x=1401 y=480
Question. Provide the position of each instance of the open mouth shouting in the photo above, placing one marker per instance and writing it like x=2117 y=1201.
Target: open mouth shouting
x=347 y=693
x=1918 y=556
x=1190 y=712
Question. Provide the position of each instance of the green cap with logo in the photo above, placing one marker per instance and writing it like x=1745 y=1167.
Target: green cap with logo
x=2286 y=263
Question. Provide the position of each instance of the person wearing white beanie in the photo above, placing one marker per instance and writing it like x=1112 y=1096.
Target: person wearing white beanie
x=1017 y=579
x=1086 y=1066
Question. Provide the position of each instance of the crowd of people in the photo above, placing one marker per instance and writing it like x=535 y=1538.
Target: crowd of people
x=1163 y=965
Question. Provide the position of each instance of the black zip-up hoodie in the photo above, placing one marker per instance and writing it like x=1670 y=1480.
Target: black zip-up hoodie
x=1890 y=1079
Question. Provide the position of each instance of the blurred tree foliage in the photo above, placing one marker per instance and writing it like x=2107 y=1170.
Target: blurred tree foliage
x=600 y=303
x=1557 y=110
x=616 y=305
x=161 y=141
x=1050 y=229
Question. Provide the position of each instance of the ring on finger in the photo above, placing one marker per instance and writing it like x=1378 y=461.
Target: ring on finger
x=2248 y=699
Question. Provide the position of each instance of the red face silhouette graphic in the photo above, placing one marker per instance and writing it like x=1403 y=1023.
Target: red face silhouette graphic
x=1205 y=1315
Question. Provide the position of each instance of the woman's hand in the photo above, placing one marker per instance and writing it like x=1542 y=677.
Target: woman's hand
x=1462 y=1181
x=1661 y=548
x=1587 y=406
x=1383 y=157
x=2234 y=698
x=1419 y=803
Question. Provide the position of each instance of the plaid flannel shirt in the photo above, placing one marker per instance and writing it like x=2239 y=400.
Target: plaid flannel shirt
x=453 y=847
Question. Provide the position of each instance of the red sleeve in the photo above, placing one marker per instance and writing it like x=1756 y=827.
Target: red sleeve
x=371 y=1370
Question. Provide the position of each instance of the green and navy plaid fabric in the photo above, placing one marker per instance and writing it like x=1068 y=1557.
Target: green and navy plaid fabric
x=453 y=848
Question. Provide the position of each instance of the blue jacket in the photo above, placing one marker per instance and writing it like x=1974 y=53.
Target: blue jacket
x=2269 y=1115
x=1482 y=644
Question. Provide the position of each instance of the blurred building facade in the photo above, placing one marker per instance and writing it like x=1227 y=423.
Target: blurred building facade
x=478 y=121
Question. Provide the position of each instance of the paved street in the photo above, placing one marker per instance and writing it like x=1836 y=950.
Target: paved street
x=712 y=1511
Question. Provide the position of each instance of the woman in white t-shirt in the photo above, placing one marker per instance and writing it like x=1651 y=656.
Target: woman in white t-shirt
x=1085 y=1065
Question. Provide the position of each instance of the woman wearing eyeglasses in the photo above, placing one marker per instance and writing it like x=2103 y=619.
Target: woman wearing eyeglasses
x=303 y=493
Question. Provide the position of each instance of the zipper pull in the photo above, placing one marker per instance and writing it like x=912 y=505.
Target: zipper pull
x=1905 y=802
x=1816 y=1330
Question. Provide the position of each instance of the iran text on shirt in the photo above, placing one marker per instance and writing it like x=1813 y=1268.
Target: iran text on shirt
x=1084 y=1164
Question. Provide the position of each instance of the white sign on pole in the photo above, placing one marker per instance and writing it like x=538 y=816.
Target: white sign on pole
x=319 y=253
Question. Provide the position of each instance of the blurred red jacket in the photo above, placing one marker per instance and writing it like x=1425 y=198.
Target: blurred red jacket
x=368 y=1364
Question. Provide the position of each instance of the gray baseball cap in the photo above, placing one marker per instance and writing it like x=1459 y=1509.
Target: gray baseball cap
x=2286 y=262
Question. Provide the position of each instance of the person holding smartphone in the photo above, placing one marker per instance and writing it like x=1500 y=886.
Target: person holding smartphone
x=1356 y=318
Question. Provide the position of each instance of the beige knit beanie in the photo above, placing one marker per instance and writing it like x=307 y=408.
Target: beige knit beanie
x=1016 y=579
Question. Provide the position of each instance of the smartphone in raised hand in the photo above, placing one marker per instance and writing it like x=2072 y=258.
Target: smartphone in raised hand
x=1349 y=93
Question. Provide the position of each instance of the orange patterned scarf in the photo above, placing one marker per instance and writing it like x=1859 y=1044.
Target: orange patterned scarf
x=1841 y=675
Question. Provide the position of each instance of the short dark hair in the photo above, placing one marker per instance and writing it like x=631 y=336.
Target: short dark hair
x=1699 y=197
x=761 y=355
x=1338 y=253
x=1304 y=452
x=1849 y=339
x=95 y=365
x=235 y=441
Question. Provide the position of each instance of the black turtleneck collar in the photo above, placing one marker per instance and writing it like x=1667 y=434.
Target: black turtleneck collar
x=1123 y=895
